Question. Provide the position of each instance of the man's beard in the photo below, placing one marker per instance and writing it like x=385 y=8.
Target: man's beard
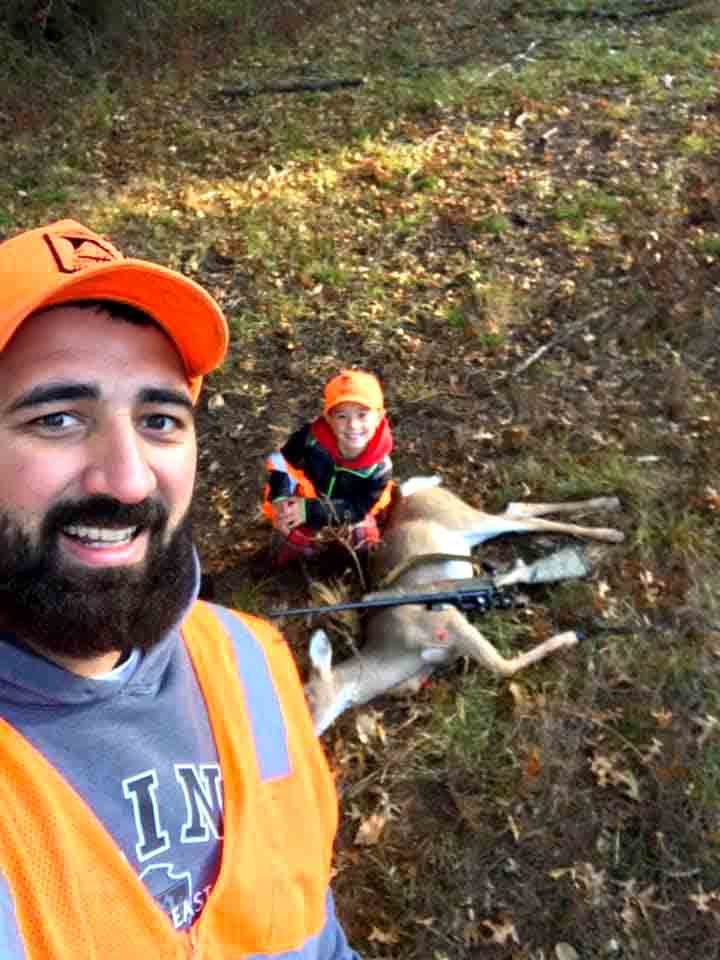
x=82 y=612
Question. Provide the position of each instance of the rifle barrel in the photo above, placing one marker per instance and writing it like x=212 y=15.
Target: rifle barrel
x=457 y=598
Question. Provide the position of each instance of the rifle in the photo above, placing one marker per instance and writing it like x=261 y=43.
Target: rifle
x=475 y=594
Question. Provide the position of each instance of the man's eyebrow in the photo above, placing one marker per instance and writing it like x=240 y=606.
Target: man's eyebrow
x=69 y=392
x=54 y=393
x=166 y=395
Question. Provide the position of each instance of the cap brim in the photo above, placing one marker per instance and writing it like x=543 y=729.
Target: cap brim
x=353 y=398
x=180 y=306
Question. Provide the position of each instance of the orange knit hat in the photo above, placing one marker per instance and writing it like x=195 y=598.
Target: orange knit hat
x=65 y=261
x=354 y=386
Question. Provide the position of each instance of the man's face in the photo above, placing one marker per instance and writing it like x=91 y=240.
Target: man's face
x=97 y=466
x=354 y=426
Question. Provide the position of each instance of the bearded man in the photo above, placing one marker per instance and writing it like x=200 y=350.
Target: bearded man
x=156 y=752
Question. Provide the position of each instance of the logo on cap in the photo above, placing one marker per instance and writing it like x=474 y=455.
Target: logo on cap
x=74 y=253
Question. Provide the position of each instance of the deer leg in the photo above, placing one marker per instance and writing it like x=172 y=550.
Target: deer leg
x=560 y=641
x=577 y=506
x=466 y=640
x=493 y=525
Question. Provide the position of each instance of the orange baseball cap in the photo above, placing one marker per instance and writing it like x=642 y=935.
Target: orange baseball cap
x=354 y=386
x=65 y=261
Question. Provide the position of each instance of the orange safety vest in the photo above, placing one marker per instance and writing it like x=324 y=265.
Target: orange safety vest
x=77 y=897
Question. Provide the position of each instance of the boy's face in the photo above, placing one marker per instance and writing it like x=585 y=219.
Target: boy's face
x=354 y=426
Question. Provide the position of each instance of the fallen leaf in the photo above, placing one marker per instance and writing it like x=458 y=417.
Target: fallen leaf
x=707 y=902
x=533 y=766
x=500 y=931
x=607 y=773
x=663 y=718
x=673 y=772
x=708 y=725
x=382 y=936
x=521 y=701
x=565 y=951
x=370 y=829
x=369 y=726
x=584 y=877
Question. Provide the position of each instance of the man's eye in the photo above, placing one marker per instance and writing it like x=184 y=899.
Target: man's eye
x=55 y=421
x=162 y=422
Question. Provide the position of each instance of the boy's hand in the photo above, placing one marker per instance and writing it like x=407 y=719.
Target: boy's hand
x=290 y=514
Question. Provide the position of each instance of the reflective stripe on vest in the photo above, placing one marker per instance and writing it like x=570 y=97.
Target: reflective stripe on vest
x=266 y=719
x=11 y=947
x=74 y=894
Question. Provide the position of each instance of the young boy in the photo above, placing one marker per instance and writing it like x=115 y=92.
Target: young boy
x=334 y=471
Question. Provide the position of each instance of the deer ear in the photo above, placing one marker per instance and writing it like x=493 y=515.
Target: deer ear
x=321 y=653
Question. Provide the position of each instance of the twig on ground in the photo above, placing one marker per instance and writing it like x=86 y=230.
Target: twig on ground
x=356 y=562
x=290 y=86
x=534 y=357
x=585 y=14
x=556 y=341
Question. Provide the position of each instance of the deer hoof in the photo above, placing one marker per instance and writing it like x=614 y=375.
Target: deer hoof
x=568 y=639
x=610 y=535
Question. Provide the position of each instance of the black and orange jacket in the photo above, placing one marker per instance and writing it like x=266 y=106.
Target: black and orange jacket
x=257 y=793
x=344 y=491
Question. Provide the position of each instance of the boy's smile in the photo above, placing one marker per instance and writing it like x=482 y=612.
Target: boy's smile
x=354 y=426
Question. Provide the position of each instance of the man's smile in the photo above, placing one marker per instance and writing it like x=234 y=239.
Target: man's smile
x=101 y=535
x=104 y=546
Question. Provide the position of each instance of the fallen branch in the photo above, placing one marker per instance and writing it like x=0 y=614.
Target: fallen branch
x=658 y=11
x=314 y=85
x=534 y=357
x=290 y=86
x=561 y=337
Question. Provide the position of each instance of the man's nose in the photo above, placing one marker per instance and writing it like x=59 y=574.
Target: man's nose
x=118 y=465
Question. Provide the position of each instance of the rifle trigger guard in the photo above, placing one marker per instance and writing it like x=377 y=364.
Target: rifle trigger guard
x=503 y=601
x=480 y=603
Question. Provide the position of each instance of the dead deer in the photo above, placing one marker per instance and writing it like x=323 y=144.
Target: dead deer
x=404 y=644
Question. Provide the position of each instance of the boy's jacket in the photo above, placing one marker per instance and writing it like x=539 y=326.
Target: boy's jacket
x=345 y=491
